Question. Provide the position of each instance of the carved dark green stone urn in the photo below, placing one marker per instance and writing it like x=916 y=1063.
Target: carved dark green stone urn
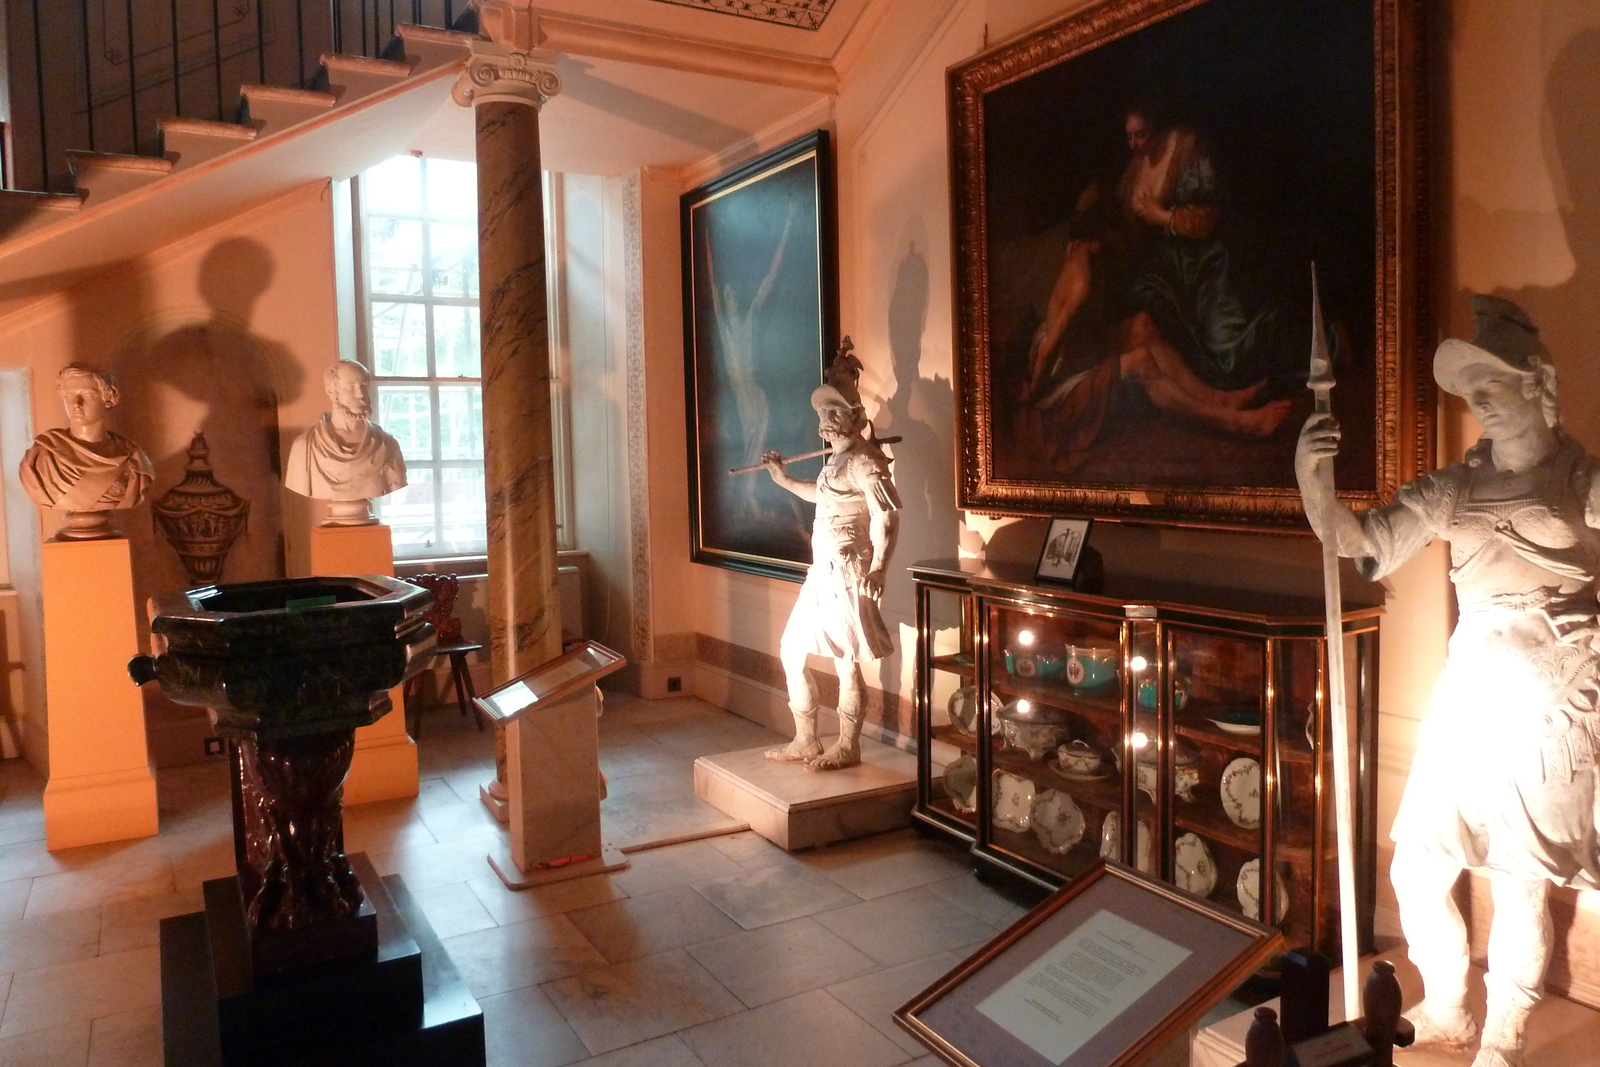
x=287 y=670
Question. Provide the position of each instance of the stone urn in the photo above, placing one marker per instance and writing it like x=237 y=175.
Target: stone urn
x=287 y=670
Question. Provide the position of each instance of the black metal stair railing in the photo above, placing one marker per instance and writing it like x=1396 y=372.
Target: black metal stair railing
x=100 y=74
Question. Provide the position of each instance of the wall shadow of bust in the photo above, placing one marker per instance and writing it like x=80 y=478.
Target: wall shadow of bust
x=191 y=369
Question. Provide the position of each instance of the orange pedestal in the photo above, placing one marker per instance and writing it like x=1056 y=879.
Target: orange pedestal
x=101 y=786
x=385 y=763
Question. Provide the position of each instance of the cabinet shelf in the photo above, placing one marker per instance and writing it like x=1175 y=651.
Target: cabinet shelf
x=1230 y=650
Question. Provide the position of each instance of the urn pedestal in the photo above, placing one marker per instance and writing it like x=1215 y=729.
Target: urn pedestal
x=305 y=956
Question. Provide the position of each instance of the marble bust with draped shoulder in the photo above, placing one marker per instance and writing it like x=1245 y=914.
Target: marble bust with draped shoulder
x=85 y=469
x=345 y=457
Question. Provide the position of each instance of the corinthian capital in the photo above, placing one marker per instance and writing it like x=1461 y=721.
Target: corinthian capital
x=497 y=74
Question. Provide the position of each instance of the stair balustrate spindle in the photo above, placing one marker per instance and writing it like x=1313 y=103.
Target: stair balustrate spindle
x=216 y=51
x=38 y=77
x=133 y=83
x=261 y=42
x=88 y=82
x=177 y=72
x=300 y=37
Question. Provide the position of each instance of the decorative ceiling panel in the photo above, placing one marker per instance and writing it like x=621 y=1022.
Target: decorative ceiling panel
x=802 y=14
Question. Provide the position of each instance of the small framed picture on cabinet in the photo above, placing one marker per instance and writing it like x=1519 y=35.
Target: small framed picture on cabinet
x=1063 y=550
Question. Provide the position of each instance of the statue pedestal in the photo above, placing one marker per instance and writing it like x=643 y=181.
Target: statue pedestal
x=385 y=763
x=101 y=787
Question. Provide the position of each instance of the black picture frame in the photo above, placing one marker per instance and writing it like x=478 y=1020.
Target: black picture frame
x=1149 y=365
x=760 y=320
x=1062 y=555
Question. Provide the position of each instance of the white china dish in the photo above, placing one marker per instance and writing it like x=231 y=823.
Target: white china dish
x=1194 y=868
x=1249 y=891
x=1111 y=840
x=1241 y=793
x=1013 y=801
x=963 y=708
x=1058 y=822
x=961 y=782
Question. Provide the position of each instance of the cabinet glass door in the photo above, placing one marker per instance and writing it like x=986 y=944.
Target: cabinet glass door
x=1052 y=778
x=948 y=690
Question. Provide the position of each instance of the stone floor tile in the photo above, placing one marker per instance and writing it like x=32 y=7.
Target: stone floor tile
x=523 y=1029
x=635 y=927
x=28 y=944
x=82 y=990
x=5 y=989
x=661 y=868
x=518 y=905
x=887 y=863
x=383 y=826
x=774 y=894
x=131 y=924
x=522 y=954
x=997 y=905
x=613 y=1007
x=426 y=866
x=93 y=887
x=454 y=819
x=748 y=849
x=453 y=909
x=26 y=824
x=876 y=997
x=778 y=961
x=14 y=899
x=803 y=1031
x=127 y=1039
x=906 y=926
x=56 y=1046
x=669 y=1051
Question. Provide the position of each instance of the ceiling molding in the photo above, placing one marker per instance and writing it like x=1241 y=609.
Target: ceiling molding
x=608 y=40
x=800 y=14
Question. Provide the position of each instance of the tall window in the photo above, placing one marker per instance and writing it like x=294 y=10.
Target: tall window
x=420 y=266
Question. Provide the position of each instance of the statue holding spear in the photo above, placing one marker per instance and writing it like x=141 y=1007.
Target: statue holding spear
x=1504 y=775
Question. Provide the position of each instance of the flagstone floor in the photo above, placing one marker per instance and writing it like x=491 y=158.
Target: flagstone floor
x=723 y=952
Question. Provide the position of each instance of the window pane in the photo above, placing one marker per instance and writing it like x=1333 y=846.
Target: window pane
x=403 y=411
x=452 y=189
x=409 y=514
x=455 y=259
x=460 y=422
x=394 y=255
x=465 y=518
x=394 y=185
x=455 y=342
x=399 y=340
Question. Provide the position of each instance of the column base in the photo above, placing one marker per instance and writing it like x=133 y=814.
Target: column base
x=499 y=808
x=90 y=809
x=610 y=859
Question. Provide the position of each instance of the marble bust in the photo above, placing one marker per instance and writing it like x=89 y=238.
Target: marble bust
x=346 y=458
x=852 y=538
x=1504 y=775
x=85 y=469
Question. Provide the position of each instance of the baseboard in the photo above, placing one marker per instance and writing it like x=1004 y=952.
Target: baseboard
x=769 y=707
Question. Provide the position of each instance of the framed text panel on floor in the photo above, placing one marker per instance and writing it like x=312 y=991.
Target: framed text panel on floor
x=1104 y=973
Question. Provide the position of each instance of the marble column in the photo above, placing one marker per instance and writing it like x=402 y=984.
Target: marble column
x=506 y=88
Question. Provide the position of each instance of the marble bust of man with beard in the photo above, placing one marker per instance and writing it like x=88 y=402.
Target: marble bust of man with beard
x=345 y=458
x=85 y=469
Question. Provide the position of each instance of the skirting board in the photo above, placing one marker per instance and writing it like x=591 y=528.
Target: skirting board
x=796 y=808
x=766 y=706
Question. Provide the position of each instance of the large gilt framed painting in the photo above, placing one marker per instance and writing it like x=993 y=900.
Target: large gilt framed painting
x=1140 y=192
x=760 y=320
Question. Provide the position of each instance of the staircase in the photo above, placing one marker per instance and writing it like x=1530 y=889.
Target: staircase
x=124 y=206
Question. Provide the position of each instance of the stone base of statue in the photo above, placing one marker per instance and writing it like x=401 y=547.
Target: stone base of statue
x=87 y=526
x=349 y=513
x=398 y=1003
x=796 y=808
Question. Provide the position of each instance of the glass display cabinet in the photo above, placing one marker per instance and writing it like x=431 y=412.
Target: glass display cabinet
x=1182 y=729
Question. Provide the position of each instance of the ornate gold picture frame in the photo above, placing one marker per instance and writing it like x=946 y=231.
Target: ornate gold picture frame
x=1139 y=192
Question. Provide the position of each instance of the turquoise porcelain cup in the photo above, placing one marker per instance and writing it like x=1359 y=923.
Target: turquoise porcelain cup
x=1091 y=666
x=1180 y=693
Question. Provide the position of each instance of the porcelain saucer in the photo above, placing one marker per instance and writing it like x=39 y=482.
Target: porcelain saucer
x=963 y=708
x=961 y=783
x=1241 y=793
x=1013 y=801
x=1111 y=840
x=1249 y=890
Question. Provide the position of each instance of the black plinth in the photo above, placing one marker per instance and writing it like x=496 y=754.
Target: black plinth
x=403 y=1006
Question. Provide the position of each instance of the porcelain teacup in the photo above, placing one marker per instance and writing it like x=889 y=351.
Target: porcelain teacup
x=1079 y=757
x=1091 y=666
x=1180 y=693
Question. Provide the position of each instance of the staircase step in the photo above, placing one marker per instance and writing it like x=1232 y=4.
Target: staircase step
x=270 y=108
x=189 y=142
x=425 y=47
x=22 y=212
x=350 y=78
x=103 y=175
